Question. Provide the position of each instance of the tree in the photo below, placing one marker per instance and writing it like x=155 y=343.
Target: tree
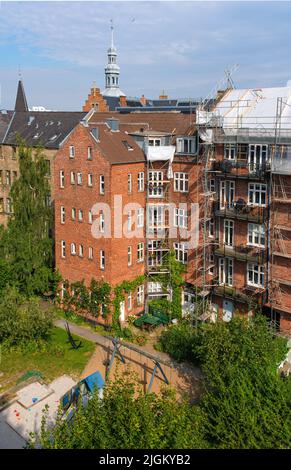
x=27 y=244
x=127 y=419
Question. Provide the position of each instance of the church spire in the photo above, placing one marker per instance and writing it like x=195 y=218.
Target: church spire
x=112 y=70
x=20 y=103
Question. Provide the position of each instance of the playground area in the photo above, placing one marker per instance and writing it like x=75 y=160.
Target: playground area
x=154 y=370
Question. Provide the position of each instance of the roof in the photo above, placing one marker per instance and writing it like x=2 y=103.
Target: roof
x=252 y=108
x=118 y=146
x=20 y=103
x=5 y=118
x=93 y=381
x=172 y=122
x=45 y=128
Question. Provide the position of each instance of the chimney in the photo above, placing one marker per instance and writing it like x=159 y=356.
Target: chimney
x=122 y=101
x=163 y=96
x=143 y=100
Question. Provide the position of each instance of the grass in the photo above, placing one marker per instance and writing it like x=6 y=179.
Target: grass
x=57 y=360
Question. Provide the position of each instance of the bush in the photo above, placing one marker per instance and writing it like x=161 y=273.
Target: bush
x=181 y=342
x=22 y=321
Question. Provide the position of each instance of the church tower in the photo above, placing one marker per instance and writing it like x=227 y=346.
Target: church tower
x=112 y=71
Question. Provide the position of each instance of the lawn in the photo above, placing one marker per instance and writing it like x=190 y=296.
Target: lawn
x=59 y=359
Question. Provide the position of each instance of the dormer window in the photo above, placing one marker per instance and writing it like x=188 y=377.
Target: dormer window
x=186 y=145
x=127 y=145
x=154 y=142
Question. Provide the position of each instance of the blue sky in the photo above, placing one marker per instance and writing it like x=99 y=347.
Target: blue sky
x=181 y=47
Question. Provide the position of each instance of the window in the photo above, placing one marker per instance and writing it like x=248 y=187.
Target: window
x=90 y=253
x=211 y=264
x=81 y=251
x=80 y=217
x=212 y=185
x=154 y=142
x=180 y=218
x=63 y=249
x=72 y=151
x=258 y=156
x=102 y=259
x=140 y=295
x=211 y=228
x=63 y=214
x=140 y=252
x=129 y=221
x=79 y=178
x=140 y=217
x=129 y=256
x=155 y=184
x=62 y=179
x=186 y=145
x=227 y=192
x=14 y=153
x=73 y=213
x=8 y=178
x=129 y=182
x=256 y=235
x=90 y=179
x=181 y=252
x=102 y=222
x=181 y=182
x=73 y=177
x=8 y=205
x=102 y=184
x=257 y=194
x=154 y=287
x=255 y=275
x=140 y=181
x=89 y=153
x=90 y=217
x=226 y=271
x=73 y=248
x=156 y=216
x=230 y=151
x=129 y=301
x=228 y=232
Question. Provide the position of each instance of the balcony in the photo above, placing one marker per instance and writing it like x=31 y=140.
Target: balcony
x=245 y=294
x=239 y=168
x=243 y=253
x=242 y=211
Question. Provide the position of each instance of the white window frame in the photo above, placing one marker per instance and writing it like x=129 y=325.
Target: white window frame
x=90 y=217
x=63 y=214
x=186 y=145
x=140 y=217
x=140 y=181
x=140 y=295
x=79 y=179
x=90 y=252
x=225 y=272
x=154 y=287
x=129 y=183
x=257 y=156
x=181 y=218
x=90 y=180
x=154 y=142
x=156 y=215
x=81 y=251
x=255 y=271
x=155 y=183
x=256 y=235
x=62 y=178
x=230 y=152
x=129 y=221
x=73 y=213
x=129 y=301
x=181 y=252
x=102 y=260
x=73 y=249
x=102 y=222
x=181 y=182
x=101 y=184
x=211 y=263
x=228 y=232
x=72 y=151
x=80 y=215
x=140 y=252
x=227 y=194
x=73 y=177
x=129 y=255
x=63 y=248
x=212 y=185
x=255 y=193
x=89 y=153
x=211 y=228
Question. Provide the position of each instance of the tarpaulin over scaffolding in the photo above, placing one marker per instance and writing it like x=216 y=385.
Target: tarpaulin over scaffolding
x=206 y=135
x=161 y=153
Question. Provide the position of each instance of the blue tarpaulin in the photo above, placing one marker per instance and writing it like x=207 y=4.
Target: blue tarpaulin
x=94 y=380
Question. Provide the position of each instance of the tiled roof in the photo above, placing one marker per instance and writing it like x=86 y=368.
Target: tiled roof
x=5 y=117
x=45 y=128
x=117 y=146
x=173 y=122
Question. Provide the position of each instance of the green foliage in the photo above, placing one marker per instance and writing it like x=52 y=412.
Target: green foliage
x=127 y=419
x=119 y=291
x=6 y=274
x=22 y=322
x=181 y=342
x=26 y=243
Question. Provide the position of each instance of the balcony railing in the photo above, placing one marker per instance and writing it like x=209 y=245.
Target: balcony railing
x=242 y=253
x=241 y=210
x=240 y=168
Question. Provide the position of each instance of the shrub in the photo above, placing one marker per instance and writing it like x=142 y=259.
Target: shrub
x=181 y=342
